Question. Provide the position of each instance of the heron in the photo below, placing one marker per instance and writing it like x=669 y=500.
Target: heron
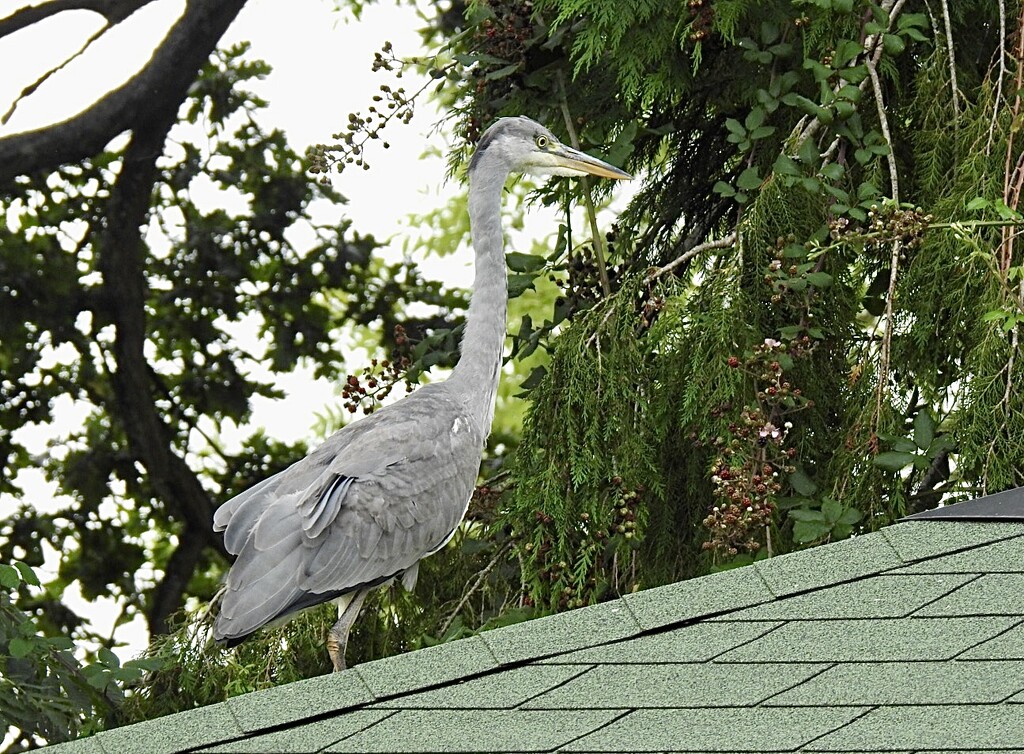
x=361 y=510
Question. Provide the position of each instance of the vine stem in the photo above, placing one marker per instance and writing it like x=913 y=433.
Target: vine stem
x=476 y=585
x=595 y=233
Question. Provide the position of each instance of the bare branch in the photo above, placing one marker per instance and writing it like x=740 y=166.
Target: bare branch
x=114 y=11
x=595 y=233
x=719 y=243
x=952 y=58
x=166 y=76
x=883 y=123
x=476 y=585
x=34 y=86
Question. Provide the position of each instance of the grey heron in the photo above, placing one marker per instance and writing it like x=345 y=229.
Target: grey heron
x=390 y=489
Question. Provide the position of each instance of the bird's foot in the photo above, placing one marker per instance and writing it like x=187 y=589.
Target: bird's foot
x=336 y=649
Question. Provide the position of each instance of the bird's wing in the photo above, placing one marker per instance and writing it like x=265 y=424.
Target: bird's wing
x=363 y=508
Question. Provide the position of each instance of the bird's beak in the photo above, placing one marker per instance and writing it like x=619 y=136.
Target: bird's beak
x=574 y=162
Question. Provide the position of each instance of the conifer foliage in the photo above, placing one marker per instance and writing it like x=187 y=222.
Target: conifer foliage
x=816 y=325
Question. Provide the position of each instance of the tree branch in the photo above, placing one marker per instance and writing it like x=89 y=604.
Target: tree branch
x=121 y=261
x=114 y=11
x=133 y=105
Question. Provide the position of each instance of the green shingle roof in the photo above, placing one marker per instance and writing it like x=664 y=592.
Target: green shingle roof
x=908 y=640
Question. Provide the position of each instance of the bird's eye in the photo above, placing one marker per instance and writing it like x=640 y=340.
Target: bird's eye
x=542 y=142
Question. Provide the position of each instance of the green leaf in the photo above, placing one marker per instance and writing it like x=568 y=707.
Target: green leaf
x=749 y=179
x=924 y=429
x=808 y=531
x=819 y=279
x=19 y=648
x=808 y=153
x=723 y=189
x=9 y=576
x=534 y=379
x=519 y=262
x=831 y=510
x=503 y=72
x=896 y=442
x=806 y=514
x=785 y=165
x=147 y=663
x=518 y=284
x=849 y=517
x=801 y=483
x=893 y=44
x=735 y=128
x=893 y=460
x=27 y=574
x=108 y=658
x=977 y=203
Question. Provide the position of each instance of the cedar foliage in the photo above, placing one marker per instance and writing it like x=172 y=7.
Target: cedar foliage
x=836 y=342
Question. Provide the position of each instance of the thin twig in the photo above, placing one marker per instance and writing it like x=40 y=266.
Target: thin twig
x=999 y=81
x=31 y=88
x=952 y=59
x=883 y=122
x=476 y=585
x=719 y=243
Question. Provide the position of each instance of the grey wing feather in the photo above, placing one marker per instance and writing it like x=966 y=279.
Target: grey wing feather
x=363 y=508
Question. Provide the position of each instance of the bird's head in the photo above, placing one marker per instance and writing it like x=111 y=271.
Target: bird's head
x=524 y=146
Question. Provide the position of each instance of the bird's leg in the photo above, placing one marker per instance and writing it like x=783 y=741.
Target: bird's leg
x=337 y=637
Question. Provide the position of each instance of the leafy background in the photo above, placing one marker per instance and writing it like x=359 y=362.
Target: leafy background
x=804 y=325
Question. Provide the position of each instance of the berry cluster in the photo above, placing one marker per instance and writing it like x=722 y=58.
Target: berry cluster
x=368 y=389
x=392 y=103
x=626 y=504
x=595 y=562
x=745 y=510
x=891 y=223
x=505 y=36
x=750 y=458
x=581 y=286
x=703 y=16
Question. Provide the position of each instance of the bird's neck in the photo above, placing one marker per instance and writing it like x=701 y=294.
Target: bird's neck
x=483 y=341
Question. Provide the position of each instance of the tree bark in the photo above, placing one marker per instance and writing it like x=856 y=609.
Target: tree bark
x=122 y=262
x=135 y=105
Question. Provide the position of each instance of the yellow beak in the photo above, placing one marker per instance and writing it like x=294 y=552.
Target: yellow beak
x=574 y=162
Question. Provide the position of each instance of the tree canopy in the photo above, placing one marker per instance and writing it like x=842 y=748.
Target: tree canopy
x=806 y=323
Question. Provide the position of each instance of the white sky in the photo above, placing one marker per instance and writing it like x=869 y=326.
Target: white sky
x=321 y=60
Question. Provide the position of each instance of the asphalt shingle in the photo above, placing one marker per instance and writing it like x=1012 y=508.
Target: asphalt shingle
x=498 y=691
x=696 y=643
x=992 y=594
x=1006 y=646
x=743 y=729
x=173 y=733
x=835 y=563
x=303 y=739
x=697 y=598
x=966 y=727
x=674 y=685
x=426 y=667
x=563 y=632
x=918 y=540
x=884 y=640
x=1004 y=556
x=902 y=683
x=903 y=641
x=474 y=730
x=880 y=597
x=299 y=700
